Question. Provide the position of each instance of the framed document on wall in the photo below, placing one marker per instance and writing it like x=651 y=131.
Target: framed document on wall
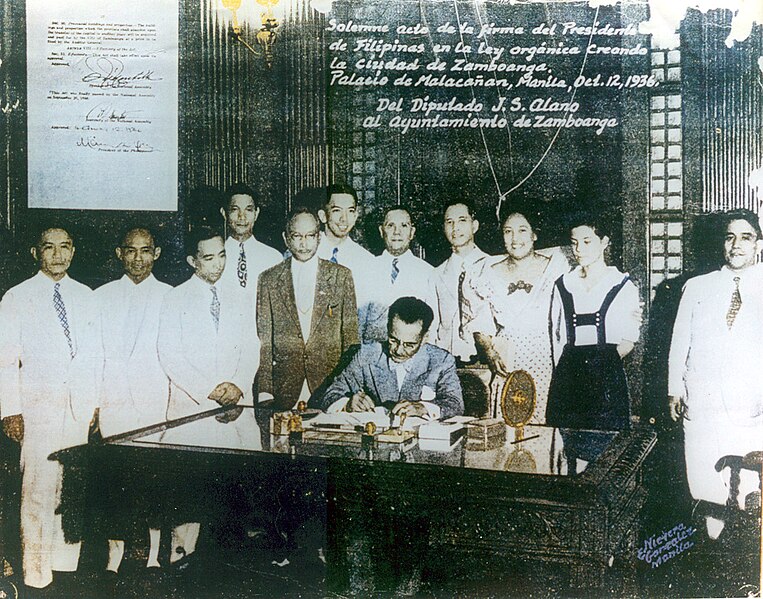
x=102 y=85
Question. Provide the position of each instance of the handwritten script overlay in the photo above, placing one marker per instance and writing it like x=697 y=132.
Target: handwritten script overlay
x=660 y=548
x=497 y=69
x=103 y=98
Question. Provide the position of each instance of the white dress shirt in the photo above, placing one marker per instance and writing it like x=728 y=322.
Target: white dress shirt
x=304 y=276
x=448 y=311
x=413 y=278
x=259 y=257
x=135 y=389
x=622 y=321
x=355 y=257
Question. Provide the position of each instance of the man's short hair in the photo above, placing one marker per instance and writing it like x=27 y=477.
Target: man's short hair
x=410 y=310
x=469 y=207
x=198 y=234
x=337 y=188
x=236 y=189
x=742 y=214
x=142 y=230
x=295 y=212
x=404 y=207
x=45 y=229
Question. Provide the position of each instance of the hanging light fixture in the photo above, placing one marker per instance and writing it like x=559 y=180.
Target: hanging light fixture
x=266 y=36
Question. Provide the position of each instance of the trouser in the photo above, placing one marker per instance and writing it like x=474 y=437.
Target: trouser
x=10 y=495
x=184 y=538
x=709 y=439
x=44 y=547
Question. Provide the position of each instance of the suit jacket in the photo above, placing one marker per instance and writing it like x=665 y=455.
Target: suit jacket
x=717 y=369
x=286 y=359
x=135 y=389
x=447 y=313
x=56 y=394
x=369 y=371
x=39 y=379
x=195 y=355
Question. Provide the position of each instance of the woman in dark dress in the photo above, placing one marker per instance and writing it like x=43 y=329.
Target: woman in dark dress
x=595 y=321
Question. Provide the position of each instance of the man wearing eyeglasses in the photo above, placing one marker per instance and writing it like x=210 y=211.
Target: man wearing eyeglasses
x=306 y=316
x=418 y=379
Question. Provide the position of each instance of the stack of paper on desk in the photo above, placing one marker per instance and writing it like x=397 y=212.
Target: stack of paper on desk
x=350 y=420
x=442 y=435
x=357 y=420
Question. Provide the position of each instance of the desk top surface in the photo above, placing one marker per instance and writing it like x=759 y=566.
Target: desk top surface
x=536 y=450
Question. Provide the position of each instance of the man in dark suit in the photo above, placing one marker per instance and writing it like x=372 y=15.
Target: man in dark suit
x=420 y=379
x=306 y=316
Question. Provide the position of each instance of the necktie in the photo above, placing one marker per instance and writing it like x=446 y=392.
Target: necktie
x=241 y=270
x=214 y=307
x=334 y=258
x=395 y=271
x=461 y=278
x=736 y=303
x=58 y=304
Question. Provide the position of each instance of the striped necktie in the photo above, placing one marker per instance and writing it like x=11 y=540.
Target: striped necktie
x=58 y=304
x=395 y=271
x=214 y=308
x=736 y=304
x=241 y=270
x=461 y=278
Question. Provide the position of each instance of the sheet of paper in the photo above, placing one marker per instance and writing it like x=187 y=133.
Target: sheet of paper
x=102 y=84
x=380 y=417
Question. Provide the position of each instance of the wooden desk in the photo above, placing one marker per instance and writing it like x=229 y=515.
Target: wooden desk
x=486 y=510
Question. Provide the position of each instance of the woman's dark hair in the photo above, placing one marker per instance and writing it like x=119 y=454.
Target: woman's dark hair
x=596 y=220
x=532 y=215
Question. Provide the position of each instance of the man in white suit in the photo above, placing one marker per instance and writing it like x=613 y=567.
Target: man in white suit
x=339 y=215
x=396 y=273
x=208 y=348
x=246 y=257
x=134 y=389
x=459 y=226
x=715 y=376
x=48 y=324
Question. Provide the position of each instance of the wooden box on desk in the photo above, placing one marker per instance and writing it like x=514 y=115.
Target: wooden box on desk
x=485 y=434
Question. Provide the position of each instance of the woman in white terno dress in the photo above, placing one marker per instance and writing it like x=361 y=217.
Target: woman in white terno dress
x=509 y=302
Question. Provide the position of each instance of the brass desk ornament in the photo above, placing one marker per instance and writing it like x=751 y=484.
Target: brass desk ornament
x=367 y=439
x=518 y=401
x=296 y=431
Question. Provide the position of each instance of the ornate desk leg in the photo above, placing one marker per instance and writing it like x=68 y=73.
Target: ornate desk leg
x=629 y=560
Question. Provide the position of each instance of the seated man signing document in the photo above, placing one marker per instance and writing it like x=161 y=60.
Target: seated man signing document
x=417 y=378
